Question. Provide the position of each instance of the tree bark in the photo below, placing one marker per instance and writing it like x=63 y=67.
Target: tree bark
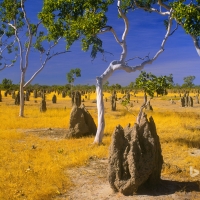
x=21 y=92
x=100 y=108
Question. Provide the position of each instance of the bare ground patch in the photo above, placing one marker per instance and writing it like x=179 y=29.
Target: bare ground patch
x=90 y=183
x=50 y=133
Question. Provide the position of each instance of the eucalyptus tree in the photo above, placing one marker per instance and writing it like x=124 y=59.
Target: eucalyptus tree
x=6 y=84
x=16 y=29
x=72 y=75
x=106 y=85
x=188 y=82
x=151 y=83
x=86 y=19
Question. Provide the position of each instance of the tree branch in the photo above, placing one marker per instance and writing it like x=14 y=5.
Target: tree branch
x=115 y=36
x=12 y=26
x=105 y=29
x=58 y=53
x=154 y=9
x=174 y=29
x=42 y=66
x=125 y=20
x=110 y=29
x=196 y=43
x=20 y=45
x=138 y=58
x=30 y=37
x=7 y=46
x=126 y=28
x=116 y=65
x=10 y=65
x=164 y=5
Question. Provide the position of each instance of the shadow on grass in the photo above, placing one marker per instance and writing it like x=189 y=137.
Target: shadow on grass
x=167 y=187
x=193 y=143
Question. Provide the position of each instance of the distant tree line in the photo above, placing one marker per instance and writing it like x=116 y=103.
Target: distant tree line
x=188 y=84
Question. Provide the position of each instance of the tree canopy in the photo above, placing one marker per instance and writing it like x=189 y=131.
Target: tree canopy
x=150 y=83
x=76 y=19
x=6 y=84
x=86 y=19
x=188 y=81
x=73 y=74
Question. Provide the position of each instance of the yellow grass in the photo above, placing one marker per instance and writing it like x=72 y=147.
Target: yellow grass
x=34 y=167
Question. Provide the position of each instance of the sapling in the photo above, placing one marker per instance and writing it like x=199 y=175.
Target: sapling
x=150 y=84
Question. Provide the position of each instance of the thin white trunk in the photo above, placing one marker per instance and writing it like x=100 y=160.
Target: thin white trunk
x=100 y=108
x=21 y=93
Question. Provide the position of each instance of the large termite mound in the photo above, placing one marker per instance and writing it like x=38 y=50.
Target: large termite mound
x=135 y=157
x=81 y=122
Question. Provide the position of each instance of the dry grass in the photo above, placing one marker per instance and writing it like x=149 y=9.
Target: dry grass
x=33 y=167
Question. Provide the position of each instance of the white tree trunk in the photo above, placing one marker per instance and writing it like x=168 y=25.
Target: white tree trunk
x=21 y=93
x=100 y=108
x=121 y=64
x=115 y=65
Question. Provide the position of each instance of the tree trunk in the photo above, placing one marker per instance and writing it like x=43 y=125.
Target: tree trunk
x=114 y=65
x=100 y=108
x=21 y=92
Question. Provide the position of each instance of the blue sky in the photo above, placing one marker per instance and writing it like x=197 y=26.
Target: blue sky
x=145 y=36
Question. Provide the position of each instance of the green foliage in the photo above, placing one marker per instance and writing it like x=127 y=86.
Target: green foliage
x=125 y=102
x=71 y=76
x=80 y=19
x=105 y=85
x=151 y=83
x=39 y=39
x=6 y=84
x=188 y=81
x=188 y=15
x=115 y=86
x=132 y=85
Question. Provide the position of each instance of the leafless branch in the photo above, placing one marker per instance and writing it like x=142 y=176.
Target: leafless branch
x=6 y=47
x=47 y=58
x=105 y=29
x=58 y=53
x=12 y=26
x=9 y=65
x=3 y=68
x=174 y=29
x=2 y=35
x=125 y=20
x=20 y=45
x=30 y=37
x=137 y=57
x=110 y=29
x=104 y=57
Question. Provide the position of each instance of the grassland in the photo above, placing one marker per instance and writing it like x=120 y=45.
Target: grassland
x=36 y=167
